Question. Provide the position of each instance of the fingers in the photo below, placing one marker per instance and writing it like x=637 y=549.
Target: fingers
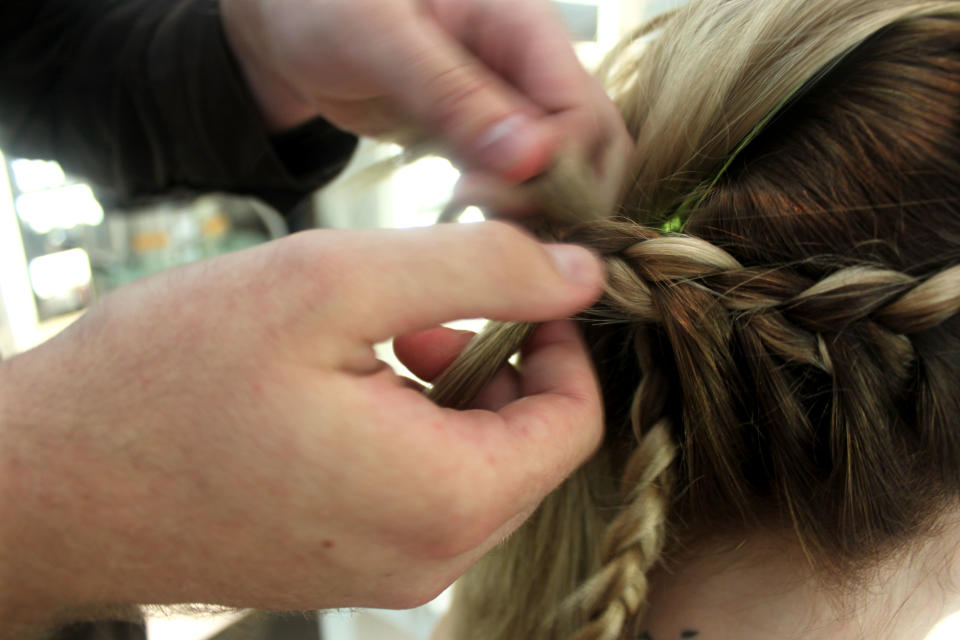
x=409 y=280
x=546 y=434
x=607 y=146
x=428 y=353
x=526 y=44
x=486 y=471
x=457 y=97
x=497 y=197
x=523 y=42
x=500 y=82
x=494 y=468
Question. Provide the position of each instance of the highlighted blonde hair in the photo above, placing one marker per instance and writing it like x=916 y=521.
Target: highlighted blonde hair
x=791 y=358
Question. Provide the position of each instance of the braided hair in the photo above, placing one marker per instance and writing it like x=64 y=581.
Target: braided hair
x=790 y=357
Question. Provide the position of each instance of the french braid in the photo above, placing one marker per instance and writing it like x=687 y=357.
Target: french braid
x=787 y=315
x=790 y=357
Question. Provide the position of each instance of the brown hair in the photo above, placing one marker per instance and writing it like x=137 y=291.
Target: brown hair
x=792 y=358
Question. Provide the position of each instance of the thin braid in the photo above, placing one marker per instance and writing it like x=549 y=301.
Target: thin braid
x=615 y=597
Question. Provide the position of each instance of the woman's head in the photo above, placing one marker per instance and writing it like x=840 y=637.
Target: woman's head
x=791 y=359
x=838 y=210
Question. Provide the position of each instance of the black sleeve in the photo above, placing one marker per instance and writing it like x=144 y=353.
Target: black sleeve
x=144 y=97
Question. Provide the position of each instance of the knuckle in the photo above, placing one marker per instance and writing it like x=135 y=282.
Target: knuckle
x=304 y=273
x=309 y=258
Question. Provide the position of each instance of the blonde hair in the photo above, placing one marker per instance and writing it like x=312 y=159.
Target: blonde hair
x=783 y=359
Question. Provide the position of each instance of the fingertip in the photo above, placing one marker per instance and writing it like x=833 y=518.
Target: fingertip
x=496 y=196
x=577 y=264
x=516 y=148
x=428 y=353
x=580 y=267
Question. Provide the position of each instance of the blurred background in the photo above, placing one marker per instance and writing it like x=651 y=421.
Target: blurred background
x=62 y=246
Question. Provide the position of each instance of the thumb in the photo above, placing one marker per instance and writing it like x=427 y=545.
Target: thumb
x=454 y=95
x=413 y=279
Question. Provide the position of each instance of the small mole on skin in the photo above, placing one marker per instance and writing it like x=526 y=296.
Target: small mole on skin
x=328 y=544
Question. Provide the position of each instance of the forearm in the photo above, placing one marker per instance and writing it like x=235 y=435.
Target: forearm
x=75 y=531
x=60 y=560
x=29 y=588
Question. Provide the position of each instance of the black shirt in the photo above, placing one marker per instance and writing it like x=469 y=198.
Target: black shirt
x=144 y=97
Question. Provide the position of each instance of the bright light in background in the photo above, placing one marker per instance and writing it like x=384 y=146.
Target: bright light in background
x=947 y=629
x=15 y=295
x=471 y=215
x=62 y=208
x=59 y=274
x=169 y=626
x=606 y=21
x=36 y=175
x=421 y=190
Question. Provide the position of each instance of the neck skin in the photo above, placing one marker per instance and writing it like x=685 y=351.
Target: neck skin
x=761 y=587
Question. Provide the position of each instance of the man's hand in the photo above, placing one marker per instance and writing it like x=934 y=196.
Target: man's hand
x=496 y=80
x=223 y=432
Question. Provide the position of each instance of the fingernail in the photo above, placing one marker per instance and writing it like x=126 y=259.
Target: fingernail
x=576 y=264
x=512 y=147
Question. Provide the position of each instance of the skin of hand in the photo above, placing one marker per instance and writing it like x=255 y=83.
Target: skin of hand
x=496 y=81
x=223 y=432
